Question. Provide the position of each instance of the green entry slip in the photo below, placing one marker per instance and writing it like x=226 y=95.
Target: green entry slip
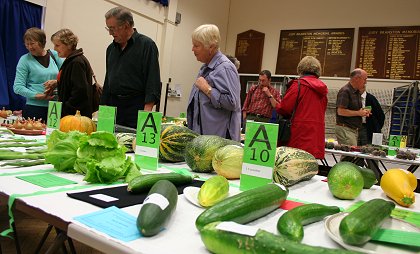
x=259 y=154
x=46 y=180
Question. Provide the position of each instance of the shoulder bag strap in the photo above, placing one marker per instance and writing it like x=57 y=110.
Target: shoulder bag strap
x=53 y=57
x=297 y=101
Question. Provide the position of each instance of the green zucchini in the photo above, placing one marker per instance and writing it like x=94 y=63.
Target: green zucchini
x=291 y=223
x=143 y=183
x=263 y=242
x=157 y=208
x=246 y=206
x=369 y=177
x=361 y=224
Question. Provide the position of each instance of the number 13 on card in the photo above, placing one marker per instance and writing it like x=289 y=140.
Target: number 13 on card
x=148 y=139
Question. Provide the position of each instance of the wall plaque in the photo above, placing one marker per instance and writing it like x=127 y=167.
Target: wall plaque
x=389 y=52
x=332 y=47
x=249 y=51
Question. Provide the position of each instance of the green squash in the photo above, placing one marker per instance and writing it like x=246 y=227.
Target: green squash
x=293 y=165
x=200 y=151
x=173 y=139
x=227 y=161
x=213 y=190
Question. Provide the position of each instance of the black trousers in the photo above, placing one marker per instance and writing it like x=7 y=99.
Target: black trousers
x=37 y=112
x=127 y=109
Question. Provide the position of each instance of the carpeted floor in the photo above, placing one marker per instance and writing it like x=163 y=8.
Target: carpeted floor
x=30 y=232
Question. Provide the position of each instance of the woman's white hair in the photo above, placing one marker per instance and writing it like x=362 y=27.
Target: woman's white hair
x=208 y=35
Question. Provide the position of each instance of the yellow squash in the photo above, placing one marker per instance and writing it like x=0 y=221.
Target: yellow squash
x=399 y=185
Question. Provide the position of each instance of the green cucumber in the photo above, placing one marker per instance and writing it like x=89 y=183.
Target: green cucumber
x=143 y=183
x=263 y=242
x=157 y=208
x=246 y=206
x=361 y=224
x=291 y=223
x=369 y=177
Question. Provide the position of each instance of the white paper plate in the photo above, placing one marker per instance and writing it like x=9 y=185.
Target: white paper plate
x=332 y=224
x=191 y=194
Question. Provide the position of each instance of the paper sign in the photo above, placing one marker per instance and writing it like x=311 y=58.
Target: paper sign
x=106 y=118
x=259 y=154
x=113 y=222
x=377 y=139
x=46 y=180
x=54 y=116
x=148 y=139
x=397 y=237
x=396 y=141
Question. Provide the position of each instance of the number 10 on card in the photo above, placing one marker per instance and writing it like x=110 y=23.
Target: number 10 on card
x=148 y=139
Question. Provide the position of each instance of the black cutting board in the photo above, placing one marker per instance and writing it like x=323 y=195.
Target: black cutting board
x=124 y=197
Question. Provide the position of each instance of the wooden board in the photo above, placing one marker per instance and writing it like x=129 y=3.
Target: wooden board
x=332 y=47
x=389 y=52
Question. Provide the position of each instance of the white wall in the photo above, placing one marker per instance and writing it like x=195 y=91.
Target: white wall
x=184 y=66
x=86 y=19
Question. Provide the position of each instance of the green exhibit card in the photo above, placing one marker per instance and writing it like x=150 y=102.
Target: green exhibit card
x=397 y=237
x=106 y=118
x=259 y=154
x=395 y=142
x=148 y=139
x=46 y=180
x=53 y=117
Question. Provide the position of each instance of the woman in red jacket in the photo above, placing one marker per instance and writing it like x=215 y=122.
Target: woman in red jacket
x=308 y=123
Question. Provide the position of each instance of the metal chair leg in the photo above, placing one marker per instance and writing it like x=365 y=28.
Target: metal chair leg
x=71 y=246
x=44 y=238
x=15 y=236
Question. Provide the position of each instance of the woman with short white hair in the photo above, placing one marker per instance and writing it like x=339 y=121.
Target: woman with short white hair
x=214 y=105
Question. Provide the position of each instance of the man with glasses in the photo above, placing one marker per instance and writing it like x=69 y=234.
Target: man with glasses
x=132 y=79
x=261 y=99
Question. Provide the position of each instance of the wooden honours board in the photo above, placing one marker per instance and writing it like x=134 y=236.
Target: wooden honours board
x=389 y=52
x=249 y=51
x=332 y=47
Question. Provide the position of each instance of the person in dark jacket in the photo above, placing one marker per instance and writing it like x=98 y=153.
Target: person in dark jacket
x=374 y=122
x=308 y=123
x=74 y=80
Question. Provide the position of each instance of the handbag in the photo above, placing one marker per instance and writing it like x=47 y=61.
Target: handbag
x=285 y=124
x=97 y=93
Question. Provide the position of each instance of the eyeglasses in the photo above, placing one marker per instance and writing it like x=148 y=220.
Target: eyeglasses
x=113 y=29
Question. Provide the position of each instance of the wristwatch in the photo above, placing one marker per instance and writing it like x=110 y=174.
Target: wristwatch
x=208 y=91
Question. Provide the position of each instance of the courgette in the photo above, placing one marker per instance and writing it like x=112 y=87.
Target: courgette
x=157 y=208
x=221 y=241
x=245 y=206
x=143 y=183
x=291 y=223
x=360 y=225
x=369 y=177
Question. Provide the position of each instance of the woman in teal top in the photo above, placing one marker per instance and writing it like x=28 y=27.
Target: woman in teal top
x=34 y=70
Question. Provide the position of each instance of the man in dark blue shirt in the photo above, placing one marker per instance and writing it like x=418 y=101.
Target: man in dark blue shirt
x=132 y=80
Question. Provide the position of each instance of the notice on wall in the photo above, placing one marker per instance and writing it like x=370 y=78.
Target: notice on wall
x=332 y=47
x=389 y=52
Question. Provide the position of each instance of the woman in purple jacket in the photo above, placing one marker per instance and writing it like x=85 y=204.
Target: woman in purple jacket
x=214 y=105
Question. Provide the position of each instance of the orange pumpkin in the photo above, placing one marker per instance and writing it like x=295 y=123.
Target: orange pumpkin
x=77 y=123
